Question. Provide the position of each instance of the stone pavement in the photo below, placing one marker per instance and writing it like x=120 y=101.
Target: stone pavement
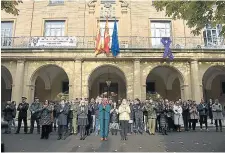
x=174 y=142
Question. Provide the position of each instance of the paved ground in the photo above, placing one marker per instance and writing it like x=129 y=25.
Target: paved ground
x=175 y=142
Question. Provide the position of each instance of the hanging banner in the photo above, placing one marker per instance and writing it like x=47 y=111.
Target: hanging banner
x=53 y=42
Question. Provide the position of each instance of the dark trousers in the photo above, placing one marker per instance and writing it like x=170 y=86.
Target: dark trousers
x=62 y=130
x=70 y=125
x=203 y=119
x=33 y=120
x=124 y=128
x=185 y=118
x=24 y=119
x=170 y=123
x=189 y=123
x=139 y=124
x=220 y=123
x=193 y=121
x=45 y=131
x=157 y=124
x=82 y=131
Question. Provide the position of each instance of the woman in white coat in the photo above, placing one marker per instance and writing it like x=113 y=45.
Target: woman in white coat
x=178 y=119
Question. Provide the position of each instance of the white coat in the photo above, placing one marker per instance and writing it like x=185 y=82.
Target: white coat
x=178 y=118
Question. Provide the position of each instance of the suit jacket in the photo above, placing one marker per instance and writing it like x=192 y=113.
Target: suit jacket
x=22 y=110
x=104 y=113
x=62 y=115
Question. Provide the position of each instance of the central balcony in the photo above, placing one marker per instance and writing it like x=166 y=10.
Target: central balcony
x=126 y=42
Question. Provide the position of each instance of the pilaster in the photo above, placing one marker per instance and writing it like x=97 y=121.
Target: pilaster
x=77 y=86
x=137 y=78
x=17 y=90
x=196 y=85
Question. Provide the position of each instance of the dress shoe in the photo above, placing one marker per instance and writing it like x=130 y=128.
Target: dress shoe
x=122 y=139
x=105 y=139
x=102 y=139
x=59 y=138
x=126 y=138
x=81 y=138
x=17 y=133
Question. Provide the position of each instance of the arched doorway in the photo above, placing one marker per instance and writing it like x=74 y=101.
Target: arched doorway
x=165 y=81
x=97 y=82
x=49 y=82
x=6 y=87
x=214 y=83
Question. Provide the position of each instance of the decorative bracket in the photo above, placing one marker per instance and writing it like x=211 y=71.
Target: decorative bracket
x=124 y=6
x=91 y=5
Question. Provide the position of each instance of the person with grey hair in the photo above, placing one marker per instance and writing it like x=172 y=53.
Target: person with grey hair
x=217 y=114
x=82 y=114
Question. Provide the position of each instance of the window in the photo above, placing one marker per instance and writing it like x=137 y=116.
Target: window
x=54 y=28
x=6 y=33
x=158 y=30
x=223 y=87
x=65 y=86
x=150 y=87
x=211 y=35
x=55 y=2
x=111 y=26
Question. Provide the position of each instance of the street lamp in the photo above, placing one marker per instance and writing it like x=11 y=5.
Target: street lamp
x=108 y=83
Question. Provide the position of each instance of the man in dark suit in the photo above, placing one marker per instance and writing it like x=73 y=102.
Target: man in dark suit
x=62 y=113
x=22 y=109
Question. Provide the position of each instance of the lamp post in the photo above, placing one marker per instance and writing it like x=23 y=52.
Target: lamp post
x=108 y=83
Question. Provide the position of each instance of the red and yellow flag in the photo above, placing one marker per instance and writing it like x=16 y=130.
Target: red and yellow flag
x=106 y=38
x=98 y=45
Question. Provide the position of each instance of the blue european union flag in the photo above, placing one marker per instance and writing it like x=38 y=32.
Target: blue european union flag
x=115 y=48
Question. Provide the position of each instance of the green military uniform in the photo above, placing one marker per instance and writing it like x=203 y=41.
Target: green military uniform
x=74 y=108
x=150 y=108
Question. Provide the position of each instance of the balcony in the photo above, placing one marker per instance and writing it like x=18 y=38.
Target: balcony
x=126 y=42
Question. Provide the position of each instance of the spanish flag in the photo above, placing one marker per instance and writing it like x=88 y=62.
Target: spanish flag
x=98 y=45
x=106 y=38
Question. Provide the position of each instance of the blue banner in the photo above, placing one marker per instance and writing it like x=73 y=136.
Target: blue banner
x=115 y=48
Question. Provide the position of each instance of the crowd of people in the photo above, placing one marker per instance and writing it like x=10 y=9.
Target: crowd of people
x=101 y=116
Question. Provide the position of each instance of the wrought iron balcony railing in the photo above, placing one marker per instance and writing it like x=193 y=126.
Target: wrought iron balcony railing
x=129 y=42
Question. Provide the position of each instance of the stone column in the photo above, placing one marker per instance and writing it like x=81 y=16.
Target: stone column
x=137 y=78
x=196 y=85
x=17 y=91
x=77 y=87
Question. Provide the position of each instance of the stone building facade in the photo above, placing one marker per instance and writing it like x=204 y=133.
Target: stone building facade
x=198 y=70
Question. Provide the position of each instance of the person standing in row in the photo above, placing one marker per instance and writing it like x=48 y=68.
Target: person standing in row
x=104 y=117
x=210 y=110
x=193 y=115
x=178 y=119
x=9 y=113
x=138 y=115
x=45 y=119
x=22 y=108
x=96 y=110
x=35 y=115
x=185 y=115
x=203 y=112
x=217 y=110
x=151 y=111
x=82 y=114
x=114 y=121
x=74 y=109
x=124 y=117
x=62 y=113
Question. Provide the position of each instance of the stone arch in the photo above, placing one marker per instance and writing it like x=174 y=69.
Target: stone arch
x=47 y=73
x=6 y=86
x=169 y=75
x=115 y=72
x=212 y=80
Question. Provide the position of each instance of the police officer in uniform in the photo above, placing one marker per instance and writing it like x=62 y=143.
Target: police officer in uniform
x=35 y=115
x=22 y=109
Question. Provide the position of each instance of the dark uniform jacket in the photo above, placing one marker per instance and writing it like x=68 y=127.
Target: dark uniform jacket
x=62 y=115
x=9 y=112
x=22 y=108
